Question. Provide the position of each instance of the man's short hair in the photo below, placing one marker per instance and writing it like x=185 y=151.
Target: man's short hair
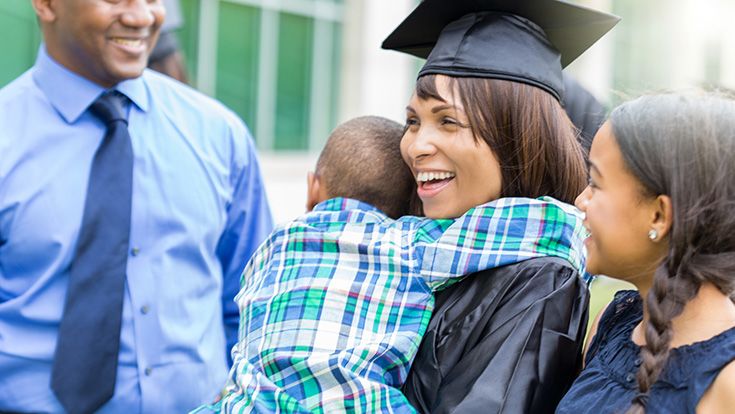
x=362 y=160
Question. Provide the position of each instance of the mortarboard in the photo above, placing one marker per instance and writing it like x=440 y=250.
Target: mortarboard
x=527 y=41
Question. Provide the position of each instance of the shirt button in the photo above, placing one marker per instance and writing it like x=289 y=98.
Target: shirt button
x=630 y=377
x=145 y=309
x=148 y=371
x=135 y=251
x=638 y=362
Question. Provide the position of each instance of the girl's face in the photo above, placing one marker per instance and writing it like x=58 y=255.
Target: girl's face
x=453 y=170
x=618 y=216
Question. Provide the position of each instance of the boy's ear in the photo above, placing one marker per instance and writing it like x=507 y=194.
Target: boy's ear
x=45 y=10
x=313 y=190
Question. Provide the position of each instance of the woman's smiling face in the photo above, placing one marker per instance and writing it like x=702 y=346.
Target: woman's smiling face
x=453 y=170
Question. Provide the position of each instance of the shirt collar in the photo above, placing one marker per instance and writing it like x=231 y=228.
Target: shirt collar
x=71 y=94
x=344 y=204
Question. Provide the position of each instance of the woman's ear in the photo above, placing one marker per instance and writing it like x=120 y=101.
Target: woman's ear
x=663 y=216
x=45 y=10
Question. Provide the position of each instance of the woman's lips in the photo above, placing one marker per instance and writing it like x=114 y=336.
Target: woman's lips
x=430 y=189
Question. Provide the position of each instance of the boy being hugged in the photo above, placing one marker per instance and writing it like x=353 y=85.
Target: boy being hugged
x=334 y=304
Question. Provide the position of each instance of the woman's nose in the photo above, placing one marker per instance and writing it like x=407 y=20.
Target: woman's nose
x=583 y=199
x=420 y=144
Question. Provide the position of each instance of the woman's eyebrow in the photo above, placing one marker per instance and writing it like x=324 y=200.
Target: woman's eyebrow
x=443 y=107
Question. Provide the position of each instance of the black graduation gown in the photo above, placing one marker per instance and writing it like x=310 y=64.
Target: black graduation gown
x=506 y=340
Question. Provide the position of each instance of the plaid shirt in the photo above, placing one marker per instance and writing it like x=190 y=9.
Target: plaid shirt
x=334 y=304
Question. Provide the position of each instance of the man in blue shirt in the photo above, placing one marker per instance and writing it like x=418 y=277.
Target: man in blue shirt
x=197 y=212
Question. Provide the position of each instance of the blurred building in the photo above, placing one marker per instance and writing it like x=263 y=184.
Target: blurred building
x=293 y=69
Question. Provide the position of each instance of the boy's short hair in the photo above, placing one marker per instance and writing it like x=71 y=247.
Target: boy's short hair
x=362 y=160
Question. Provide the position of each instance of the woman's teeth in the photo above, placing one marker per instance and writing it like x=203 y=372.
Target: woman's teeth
x=431 y=176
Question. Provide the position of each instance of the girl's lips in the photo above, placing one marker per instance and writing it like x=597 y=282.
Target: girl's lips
x=430 y=189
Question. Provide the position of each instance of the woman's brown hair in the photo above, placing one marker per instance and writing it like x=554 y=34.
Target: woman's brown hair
x=527 y=130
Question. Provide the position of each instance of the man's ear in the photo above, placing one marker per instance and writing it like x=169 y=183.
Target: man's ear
x=663 y=216
x=45 y=10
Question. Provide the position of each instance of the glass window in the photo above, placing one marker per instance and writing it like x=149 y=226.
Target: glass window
x=189 y=35
x=335 y=81
x=237 y=59
x=294 y=82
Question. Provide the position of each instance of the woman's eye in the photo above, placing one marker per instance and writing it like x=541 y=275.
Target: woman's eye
x=411 y=124
x=452 y=122
x=449 y=121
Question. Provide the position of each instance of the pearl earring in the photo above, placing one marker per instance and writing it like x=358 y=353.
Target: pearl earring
x=653 y=235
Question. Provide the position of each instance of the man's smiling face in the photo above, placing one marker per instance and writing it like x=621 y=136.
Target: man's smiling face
x=105 y=41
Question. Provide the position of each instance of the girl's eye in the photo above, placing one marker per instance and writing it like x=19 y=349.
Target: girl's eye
x=591 y=183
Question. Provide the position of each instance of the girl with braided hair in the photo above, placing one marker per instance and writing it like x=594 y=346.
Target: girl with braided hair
x=660 y=209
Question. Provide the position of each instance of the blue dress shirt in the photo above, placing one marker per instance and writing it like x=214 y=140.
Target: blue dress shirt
x=199 y=211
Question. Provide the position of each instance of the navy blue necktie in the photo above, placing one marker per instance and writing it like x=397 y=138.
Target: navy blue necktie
x=85 y=364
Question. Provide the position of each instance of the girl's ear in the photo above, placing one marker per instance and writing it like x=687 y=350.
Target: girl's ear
x=663 y=216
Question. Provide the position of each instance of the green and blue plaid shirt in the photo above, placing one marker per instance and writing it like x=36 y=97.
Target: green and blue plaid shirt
x=334 y=304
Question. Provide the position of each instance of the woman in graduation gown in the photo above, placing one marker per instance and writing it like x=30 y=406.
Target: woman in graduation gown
x=507 y=340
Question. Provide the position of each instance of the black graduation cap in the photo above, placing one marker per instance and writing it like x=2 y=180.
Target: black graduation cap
x=527 y=41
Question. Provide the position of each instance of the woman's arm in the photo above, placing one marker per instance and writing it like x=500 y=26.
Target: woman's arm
x=506 y=340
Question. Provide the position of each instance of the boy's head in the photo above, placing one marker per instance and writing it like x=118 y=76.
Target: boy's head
x=362 y=160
